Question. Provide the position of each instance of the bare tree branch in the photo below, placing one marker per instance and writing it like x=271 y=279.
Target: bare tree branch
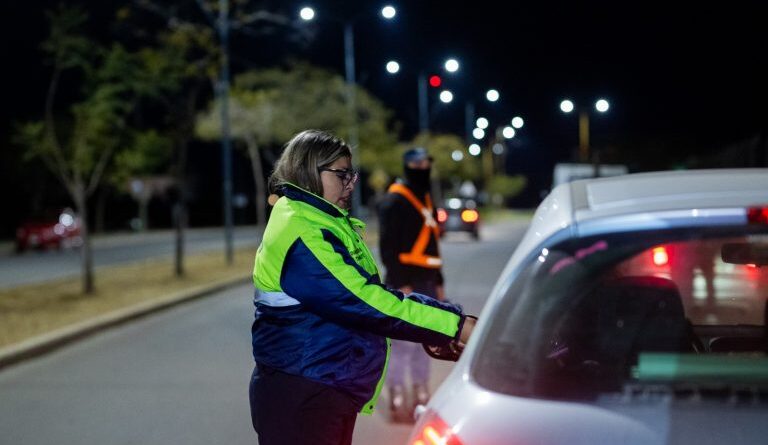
x=262 y=16
x=57 y=163
x=98 y=171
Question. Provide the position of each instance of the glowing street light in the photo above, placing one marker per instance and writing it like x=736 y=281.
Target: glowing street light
x=478 y=133
x=492 y=95
x=307 y=13
x=508 y=132
x=517 y=122
x=602 y=106
x=424 y=84
x=474 y=150
x=388 y=12
x=482 y=123
x=451 y=65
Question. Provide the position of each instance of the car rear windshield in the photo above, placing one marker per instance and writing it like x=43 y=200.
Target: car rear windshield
x=605 y=315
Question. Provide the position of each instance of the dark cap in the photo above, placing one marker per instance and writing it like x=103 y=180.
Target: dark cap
x=416 y=154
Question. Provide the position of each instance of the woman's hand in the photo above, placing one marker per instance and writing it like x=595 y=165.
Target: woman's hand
x=466 y=330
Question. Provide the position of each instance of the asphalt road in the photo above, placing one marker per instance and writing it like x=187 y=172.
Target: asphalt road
x=180 y=376
x=41 y=265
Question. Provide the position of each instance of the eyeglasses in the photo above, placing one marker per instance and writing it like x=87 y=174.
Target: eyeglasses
x=347 y=176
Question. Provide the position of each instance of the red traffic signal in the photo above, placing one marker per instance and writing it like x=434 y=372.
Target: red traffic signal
x=435 y=81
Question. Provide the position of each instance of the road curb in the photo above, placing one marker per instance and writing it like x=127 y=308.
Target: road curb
x=43 y=344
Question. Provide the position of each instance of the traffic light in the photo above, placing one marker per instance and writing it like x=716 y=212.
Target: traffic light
x=435 y=81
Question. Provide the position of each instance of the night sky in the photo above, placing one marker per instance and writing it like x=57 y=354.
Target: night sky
x=683 y=81
x=691 y=79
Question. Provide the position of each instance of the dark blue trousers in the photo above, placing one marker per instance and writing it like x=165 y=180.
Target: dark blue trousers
x=292 y=410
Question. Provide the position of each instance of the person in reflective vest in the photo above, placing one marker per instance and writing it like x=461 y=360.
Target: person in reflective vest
x=408 y=242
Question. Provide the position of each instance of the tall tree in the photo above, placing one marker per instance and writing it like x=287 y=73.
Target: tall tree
x=269 y=106
x=183 y=60
x=77 y=146
x=223 y=18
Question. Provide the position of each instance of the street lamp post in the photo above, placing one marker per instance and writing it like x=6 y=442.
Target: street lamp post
x=492 y=96
x=388 y=12
x=495 y=144
x=567 y=106
x=423 y=83
x=222 y=26
x=226 y=145
x=423 y=102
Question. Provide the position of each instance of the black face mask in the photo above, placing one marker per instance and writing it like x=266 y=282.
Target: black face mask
x=418 y=178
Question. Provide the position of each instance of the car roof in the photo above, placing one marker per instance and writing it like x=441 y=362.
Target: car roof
x=598 y=205
x=658 y=191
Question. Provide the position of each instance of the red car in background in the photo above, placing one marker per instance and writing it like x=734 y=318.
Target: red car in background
x=55 y=229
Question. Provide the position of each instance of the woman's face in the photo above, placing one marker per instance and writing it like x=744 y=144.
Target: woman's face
x=338 y=182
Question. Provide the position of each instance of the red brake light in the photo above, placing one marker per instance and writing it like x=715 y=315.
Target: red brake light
x=469 y=215
x=442 y=215
x=757 y=215
x=432 y=430
x=660 y=256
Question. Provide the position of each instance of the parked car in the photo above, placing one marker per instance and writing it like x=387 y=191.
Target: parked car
x=632 y=312
x=459 y=215
x=50 y=230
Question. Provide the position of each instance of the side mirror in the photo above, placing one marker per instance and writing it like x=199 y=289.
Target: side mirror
x=450 y=352
x=745 y=253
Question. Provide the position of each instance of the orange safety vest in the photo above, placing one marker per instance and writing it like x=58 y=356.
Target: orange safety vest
x=416 y=256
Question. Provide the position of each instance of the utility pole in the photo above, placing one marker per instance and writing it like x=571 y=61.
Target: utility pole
x=226 y=144
x=349 y=66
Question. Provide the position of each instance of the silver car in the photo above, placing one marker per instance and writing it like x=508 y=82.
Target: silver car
x=632 y=312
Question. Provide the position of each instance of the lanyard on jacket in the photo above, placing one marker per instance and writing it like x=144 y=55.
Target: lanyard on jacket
x=417 y=257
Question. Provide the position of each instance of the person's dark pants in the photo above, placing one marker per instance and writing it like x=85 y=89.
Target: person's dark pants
x=292 y=410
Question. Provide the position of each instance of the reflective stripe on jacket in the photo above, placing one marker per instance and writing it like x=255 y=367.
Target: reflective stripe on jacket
x=321 y=310
x=417 y=257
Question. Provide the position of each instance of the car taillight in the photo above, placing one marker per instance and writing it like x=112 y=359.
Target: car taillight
x=469 y=215
x=432 y=430
x=757 y=215
x=660 y=256
x=442 y=215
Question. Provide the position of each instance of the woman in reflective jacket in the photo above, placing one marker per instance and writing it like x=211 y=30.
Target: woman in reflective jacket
x=323 y=318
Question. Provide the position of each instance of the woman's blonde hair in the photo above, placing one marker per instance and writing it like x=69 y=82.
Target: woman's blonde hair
x=303 y=157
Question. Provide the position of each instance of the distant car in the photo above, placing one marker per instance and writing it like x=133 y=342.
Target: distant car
x=51 y=230
x=459 y=215
x=632 y=312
